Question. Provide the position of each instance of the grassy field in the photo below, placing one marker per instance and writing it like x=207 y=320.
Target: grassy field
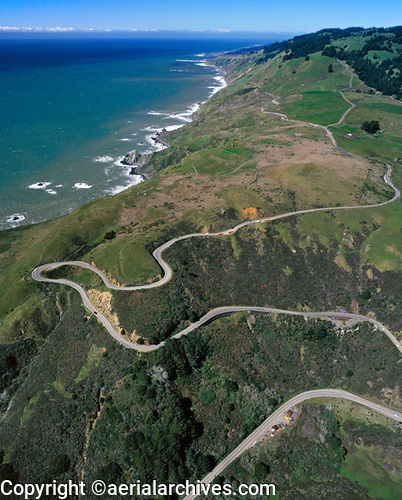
x=384 y=144
x=382 y=481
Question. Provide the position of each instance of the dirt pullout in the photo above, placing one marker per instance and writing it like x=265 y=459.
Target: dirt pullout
x=102 y=301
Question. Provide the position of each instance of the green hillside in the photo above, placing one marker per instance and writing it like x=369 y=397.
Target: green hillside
x=91 y=408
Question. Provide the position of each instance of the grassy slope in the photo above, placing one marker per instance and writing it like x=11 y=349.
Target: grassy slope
x=200 y=187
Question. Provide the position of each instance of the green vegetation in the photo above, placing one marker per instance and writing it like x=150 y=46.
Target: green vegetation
x=376 y=46
x=299 y=461
x=378 y=62
x=367 y=466
x=110 y=235
x=89 y=406
x=93 y=360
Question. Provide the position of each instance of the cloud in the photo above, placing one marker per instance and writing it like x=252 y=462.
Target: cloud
x=29 y=29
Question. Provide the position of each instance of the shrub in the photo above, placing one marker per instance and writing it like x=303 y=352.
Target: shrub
x=110 y=235
x=207 y=396
x=59 y=465
x=261 y=470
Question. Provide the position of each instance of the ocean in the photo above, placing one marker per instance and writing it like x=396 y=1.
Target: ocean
x=71 y=109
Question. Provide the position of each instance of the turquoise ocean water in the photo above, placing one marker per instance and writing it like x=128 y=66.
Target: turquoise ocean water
x=70 y=109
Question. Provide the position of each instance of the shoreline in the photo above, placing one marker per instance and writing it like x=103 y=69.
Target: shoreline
x=156 y=144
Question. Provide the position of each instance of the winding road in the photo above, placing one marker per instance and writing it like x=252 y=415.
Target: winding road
x=265 y=427
x=214 y=313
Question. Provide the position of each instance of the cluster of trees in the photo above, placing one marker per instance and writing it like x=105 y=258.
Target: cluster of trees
x=320 y=331
x=385 y=76
x=180 y=358
x=160 y=448
x=302 y=46
x=160 y=441
x=110 y=235
x=371 y=127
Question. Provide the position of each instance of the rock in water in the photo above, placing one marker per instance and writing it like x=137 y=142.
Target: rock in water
x=131 y=158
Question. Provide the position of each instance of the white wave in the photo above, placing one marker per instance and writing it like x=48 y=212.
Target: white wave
x=199 y=55
x=51 y=191
x=129 y=170
x=186 y=115
x=134 y=180
x=39 y=185
x=125 y=139
x=118 y=162
x=197 y=62
x=15 y=218
x=82 y=185
x=188 y=60
x=156 y=113
x=152 y=129
x=59 y=185
x=221 y=83
x=169 y=128
x=103 y=159
x=156 y=144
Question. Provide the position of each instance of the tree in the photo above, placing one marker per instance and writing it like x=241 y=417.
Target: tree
x=330 y=69
x=261 y=470
x=58 y=465
x=366 y=295
x=371 y=127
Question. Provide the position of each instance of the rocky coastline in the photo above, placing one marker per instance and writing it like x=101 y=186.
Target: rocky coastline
x=134 y=159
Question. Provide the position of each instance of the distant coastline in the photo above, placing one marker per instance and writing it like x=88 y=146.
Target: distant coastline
x=134 y=160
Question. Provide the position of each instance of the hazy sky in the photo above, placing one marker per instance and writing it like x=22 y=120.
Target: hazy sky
x=235 y=15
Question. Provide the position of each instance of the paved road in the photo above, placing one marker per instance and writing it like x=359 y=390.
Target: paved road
x=266 y=426
x=37 y=275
